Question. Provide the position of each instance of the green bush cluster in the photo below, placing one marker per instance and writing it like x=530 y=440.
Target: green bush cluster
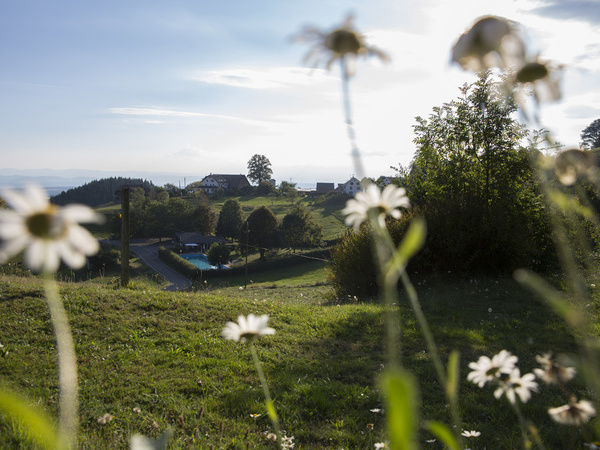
x=182 y=266
x=352 y=271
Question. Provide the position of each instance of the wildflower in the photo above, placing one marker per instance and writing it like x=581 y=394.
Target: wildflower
x=47 y=232
x=486 y=369
x=470 y=434
x=553 y=372
x=271 y=437
x=544 y=79
x=574 y=413
x=573 y=164
x=517 y=384
x=380 y=445
x=287 y=442
x=247 y=328
x=376 y=410
x=372 y=200
x=255 y=416
x=137 y=410
x=343 y=43
x=490 y=42
x=140 y=442
x=105 y=419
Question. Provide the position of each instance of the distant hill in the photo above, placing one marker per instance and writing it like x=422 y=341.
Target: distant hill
x=98 y=192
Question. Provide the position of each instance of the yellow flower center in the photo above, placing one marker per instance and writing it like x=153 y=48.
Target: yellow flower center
x=46 y=224
x=343 y=42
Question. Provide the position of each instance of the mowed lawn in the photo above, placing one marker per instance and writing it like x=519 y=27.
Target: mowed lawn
x=162 y=353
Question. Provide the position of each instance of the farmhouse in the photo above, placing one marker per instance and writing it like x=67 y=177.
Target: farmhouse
x=352 y=186
x=211 y=183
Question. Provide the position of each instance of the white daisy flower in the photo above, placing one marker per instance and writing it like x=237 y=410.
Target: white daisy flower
x=553 y=372
x=515 y=385
x=48 y=233
x=247 y=328
x=574 y=413
x=357 y=210
x=490 y=42
x=486 y=369
x=470 y=434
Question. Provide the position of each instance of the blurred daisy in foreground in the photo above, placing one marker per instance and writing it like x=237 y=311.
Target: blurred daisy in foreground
x=552 y=372
x=46 y=232
x=344 y=43
x=515 y=385
x=490 y=42
x=374 y=201
x=574 y=413
x=247 y=328
x=486 y=369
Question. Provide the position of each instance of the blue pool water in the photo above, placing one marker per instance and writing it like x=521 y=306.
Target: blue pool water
x=200 y=261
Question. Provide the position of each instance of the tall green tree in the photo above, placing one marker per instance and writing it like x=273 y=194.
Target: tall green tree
x=205 y=219
x=260 y=231
x=590 y=136
x=230 y=219
x=259 y=169
x=299 y=228
x=471 y=177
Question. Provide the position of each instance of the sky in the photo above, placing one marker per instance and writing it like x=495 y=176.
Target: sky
x=192 y=87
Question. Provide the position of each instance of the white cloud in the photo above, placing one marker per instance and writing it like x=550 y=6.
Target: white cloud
x=189 y=152
x=159 y=112
x=264 y=78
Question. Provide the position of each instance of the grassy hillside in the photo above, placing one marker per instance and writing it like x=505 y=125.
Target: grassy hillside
x=162 y=352
x=328 y=215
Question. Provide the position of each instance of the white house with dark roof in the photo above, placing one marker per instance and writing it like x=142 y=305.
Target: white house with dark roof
x=351 y=187
x=228 y=182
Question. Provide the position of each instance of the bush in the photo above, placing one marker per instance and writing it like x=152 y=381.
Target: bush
x=182 y=266
x=353 y=271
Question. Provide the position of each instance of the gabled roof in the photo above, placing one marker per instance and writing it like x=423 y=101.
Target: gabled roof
x=188 y=237
x=232 y=181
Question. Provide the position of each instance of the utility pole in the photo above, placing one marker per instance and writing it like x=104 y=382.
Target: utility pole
x=124 y=236
x=246 y=267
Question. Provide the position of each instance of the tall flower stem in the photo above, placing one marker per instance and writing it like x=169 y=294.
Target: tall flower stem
x=355 y=152
x=67 y=365
x=269 y=403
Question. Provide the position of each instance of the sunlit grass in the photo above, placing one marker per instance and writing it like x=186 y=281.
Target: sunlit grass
x=162 y=352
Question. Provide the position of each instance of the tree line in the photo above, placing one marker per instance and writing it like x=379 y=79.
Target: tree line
x=99 y=192
x=164 y=216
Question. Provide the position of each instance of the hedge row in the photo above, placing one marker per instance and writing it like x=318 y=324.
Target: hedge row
x=184 y=267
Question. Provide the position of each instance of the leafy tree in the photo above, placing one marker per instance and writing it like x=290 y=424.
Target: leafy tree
x=218 y=254
x=173 y=190
x=472 y=179
x=300 y=230
x=288 y=189
x=179 y=215
x=205 y=219
x=590 y=136
x=265 y=188
x=162 y=195
x=230 y=219
x=259 y=169
x=158 y=223
x=262 y=226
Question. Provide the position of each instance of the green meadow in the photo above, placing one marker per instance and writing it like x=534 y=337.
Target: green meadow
x=140 y=347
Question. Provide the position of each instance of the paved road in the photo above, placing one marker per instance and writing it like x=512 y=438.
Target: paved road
x=147 y=251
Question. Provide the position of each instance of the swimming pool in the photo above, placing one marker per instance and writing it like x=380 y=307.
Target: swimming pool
x=199 y=260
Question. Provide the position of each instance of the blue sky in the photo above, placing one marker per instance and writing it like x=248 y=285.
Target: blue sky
x=194 y=87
